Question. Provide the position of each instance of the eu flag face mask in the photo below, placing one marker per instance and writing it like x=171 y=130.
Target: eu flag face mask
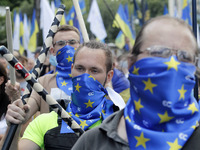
x=64 y=58
x=89 y=104
x=162 y=109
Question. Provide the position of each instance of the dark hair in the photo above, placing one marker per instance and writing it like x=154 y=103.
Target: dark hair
x=139 y=38
x=68 y=28
x=97 y=45
x=4 y=100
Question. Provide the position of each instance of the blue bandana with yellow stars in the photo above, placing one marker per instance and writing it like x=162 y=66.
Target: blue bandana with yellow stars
x=64 y=58
x=89 y=104
x=162 y=112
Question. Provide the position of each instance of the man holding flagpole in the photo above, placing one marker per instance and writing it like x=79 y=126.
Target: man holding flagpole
x=90 y=103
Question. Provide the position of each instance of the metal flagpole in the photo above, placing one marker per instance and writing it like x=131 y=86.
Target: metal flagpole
x=194 y=26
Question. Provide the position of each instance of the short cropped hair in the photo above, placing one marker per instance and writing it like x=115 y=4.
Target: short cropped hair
x=66 y=27
x=139 y=38
x=98 y=45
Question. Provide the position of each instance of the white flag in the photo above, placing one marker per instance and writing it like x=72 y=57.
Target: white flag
x=96 y=22
x=26 y=32
x=16 y=30
x=46 y=17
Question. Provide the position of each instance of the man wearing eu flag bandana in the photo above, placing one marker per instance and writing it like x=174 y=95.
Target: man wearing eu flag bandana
x=59 y=84
x=162 y=112
x=90 y=104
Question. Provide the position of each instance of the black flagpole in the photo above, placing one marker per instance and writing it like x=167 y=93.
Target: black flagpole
x=194 y=26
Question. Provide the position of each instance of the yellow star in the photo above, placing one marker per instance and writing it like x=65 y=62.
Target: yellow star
x=64 y=83
x=70 y=113
x=83 y=124
x=78 y=87
x=138 y=105
x=192 y=107
x=165 y=117
x=56 y=73
x=141 y=140
x=174 y=146
x=128 y=118
x=182 y=92
x=91 y=77
x=103 y=111
x=76 y=115
x=59 y=53
x=89 y=104
x=149 y=85
x=135 y=70
x=196 y=125
x=69 y=58
x=172 y=64
x=70 y=75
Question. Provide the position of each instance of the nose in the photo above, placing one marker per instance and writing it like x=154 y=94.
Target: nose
x=87 y=71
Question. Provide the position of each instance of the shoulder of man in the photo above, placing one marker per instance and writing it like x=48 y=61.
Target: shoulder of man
x=193 y=142
x=47 y=77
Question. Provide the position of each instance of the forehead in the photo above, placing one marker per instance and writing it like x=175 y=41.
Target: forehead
x=91 y=57
x=170 y=34
x=66 y=35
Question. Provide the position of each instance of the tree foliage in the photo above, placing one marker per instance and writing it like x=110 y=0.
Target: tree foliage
x=26 y=6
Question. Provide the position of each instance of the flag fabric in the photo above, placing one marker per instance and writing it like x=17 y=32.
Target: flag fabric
x=57 y=3
x=89 y=106
x=33 y=35
x=76 y=24
x=122 y=22
x=165 y=12
x=21 y=34
x=120 y=40
x=26 y=32
x=126 y=11
x=72 y=20
x=46 y=17
x=82 y=6
x=16 y=41
x=96 y=23
x=137 y=12
x=146 y=12
x=186 y=12
x=64 y=57
x=54 y=6
x=156 y=115
x=70 y=16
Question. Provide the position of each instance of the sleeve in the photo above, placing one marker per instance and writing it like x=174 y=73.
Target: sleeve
x=39 y=126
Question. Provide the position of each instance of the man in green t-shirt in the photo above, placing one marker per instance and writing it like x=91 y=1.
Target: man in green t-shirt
x=91 y=71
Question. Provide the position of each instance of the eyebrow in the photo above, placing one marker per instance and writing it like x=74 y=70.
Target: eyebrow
x=79 y=65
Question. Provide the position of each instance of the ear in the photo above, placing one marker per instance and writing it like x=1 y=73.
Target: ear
x=1 y=80
x=52 y=50
x=72 y=66
x=109 y=76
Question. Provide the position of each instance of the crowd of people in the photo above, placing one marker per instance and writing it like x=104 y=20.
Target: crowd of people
x=139 y=100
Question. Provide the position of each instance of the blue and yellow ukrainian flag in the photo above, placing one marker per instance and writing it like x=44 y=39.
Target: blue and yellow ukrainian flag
x=146 y=12
x=186 y=12
x=120 y=40
x=137 y=12
x=122 y=22
x=57 y=4
x=70 y=16
x=33 y=36
x=82 y=6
